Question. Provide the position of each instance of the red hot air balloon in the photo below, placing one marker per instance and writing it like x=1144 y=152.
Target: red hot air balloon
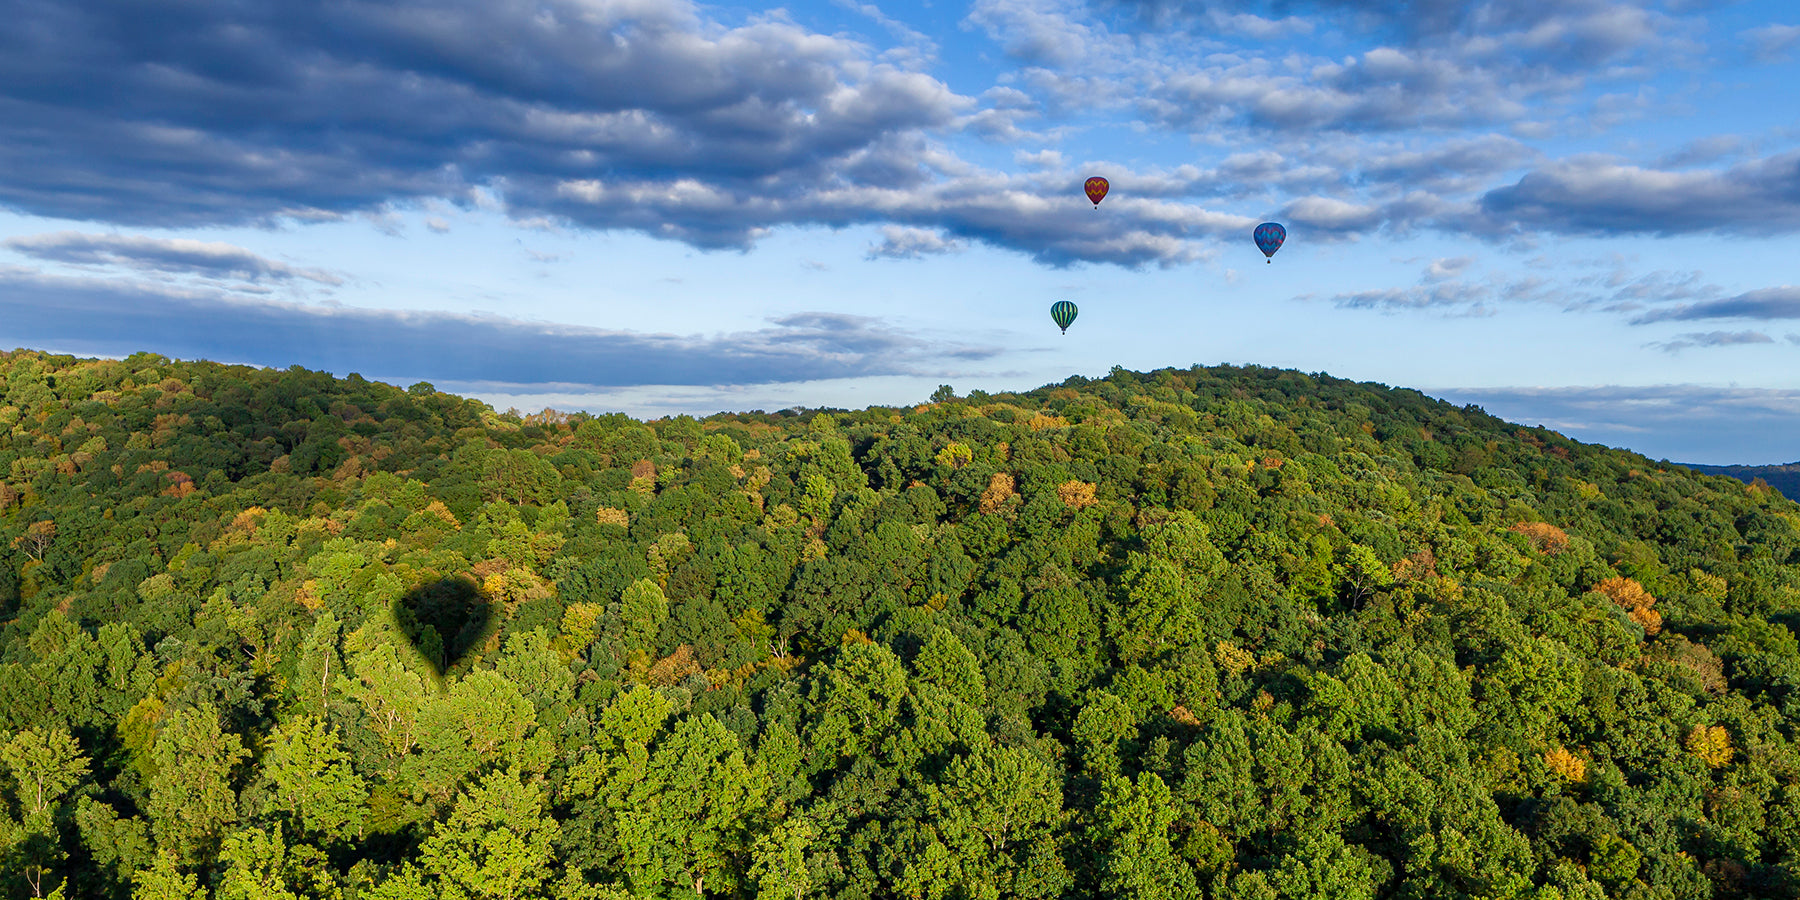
x=1096 y=190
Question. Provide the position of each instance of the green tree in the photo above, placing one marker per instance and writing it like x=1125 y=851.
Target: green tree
x=515 y=476
x=1614 y=861
x=643 y=609
x=314 y=784
x=321 y=667
x=261 y=864
x=1164 y=586
x=778 y=860
x=1361 y=573
x=483 y=721
x=118 y=847
x=497 y=844
x=1131 y=840
x=390 y=695
x=66 y=672
x=45 y=765
x=1324 y=868
x=856 y=703
x=129 y=671
x=685 y=820
x=1220 y=780
x=1102 y=725
x=164 y=880
x=529 y=661
x=191 y=793
x=991 y=829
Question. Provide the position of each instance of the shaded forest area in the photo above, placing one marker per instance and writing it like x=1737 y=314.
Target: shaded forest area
x=1221 y=632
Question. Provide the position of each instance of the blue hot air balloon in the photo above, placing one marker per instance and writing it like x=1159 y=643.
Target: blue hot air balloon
x=1062 y=312
x=1269 y=236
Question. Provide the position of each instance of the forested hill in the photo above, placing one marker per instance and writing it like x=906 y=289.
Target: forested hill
x=1220 y=632
x=1784 y=478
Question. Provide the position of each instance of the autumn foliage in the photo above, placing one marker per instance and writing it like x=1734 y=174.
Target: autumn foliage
x=1636 y=602
x=1712 y=744
x=1421 y=563
x=36 y=539
x=1547 y=538
x=1076 y=494
x=1572 y=768
x=674 y=668
x=999 y=490
x=181 y=484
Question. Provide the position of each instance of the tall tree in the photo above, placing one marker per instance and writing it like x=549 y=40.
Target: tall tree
x=164 y=880
x=321 y=667
x=778 y=860
x=1131 y=841
x=390 y=695
x=262 y=864
x=191 y=794
x=315 y=786
x=991 y=829
x=45 y=764
x=497 y=844
x=684 y=823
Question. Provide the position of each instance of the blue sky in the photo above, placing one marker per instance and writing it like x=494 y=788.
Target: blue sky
x=1580 y=214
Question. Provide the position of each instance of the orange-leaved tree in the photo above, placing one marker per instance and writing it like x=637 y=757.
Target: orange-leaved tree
x=1636 y=601
x=1547 y=538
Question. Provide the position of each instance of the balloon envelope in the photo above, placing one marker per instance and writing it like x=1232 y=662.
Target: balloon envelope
x=1062 y=312
x=1269 y=236
x=1096 y=189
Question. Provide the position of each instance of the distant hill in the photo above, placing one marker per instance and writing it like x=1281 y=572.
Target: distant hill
x=1784 y=478
x=1233 y=633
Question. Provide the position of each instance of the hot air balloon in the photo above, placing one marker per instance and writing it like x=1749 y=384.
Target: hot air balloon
x=1062 y=312
x=1096 y=189
x=1269 y=236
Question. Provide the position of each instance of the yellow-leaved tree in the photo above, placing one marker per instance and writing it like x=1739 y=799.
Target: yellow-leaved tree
x=1712 y=744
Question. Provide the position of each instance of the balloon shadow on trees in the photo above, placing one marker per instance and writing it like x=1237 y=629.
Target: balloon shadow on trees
x=444 y=619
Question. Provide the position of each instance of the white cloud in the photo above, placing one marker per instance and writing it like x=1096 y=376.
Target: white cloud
x=1771 y=43
x=912 y=243
x=1442 y=269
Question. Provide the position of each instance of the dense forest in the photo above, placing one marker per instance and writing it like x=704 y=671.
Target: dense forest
x=1220 y=632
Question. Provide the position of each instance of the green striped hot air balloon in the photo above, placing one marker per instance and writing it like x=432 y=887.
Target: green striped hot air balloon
x=1062 y=312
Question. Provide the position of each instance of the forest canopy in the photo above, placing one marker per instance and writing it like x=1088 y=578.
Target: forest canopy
x=1237 y=633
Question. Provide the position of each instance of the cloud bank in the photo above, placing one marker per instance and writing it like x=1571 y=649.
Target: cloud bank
x=114 y=317
x=1765 y=305
x=617 y=114
x=174 y=256
x=657 y=117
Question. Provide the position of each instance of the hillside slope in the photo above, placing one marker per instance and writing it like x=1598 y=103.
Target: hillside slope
x=1220 y=632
